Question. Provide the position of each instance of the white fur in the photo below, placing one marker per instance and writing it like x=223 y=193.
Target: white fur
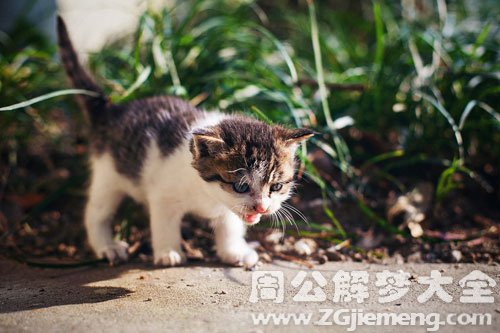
x=170 y=188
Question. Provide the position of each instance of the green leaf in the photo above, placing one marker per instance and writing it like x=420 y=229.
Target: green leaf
x=261 y=115
x=470 y=106
x=481 y=37
x=451 y=121
x=143 y=76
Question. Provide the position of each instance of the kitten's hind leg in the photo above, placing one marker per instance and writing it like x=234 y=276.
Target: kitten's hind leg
x=102 y=203
x=166 y=218
x=230 y=241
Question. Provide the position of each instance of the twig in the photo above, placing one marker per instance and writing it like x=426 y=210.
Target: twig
x=286 y=257
x=293 y=259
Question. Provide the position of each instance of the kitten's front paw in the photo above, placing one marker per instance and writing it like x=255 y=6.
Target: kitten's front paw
x=170 y=258
x=115 y=253
x=239 y=255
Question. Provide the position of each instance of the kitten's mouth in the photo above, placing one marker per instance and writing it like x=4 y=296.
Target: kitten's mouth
x=251 y=219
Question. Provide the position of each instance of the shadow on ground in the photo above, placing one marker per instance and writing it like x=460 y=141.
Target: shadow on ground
x=27 y=288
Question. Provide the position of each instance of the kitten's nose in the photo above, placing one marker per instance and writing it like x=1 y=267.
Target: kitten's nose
x=259 y=208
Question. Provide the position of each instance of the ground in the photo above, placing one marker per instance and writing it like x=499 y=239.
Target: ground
x=202 y=297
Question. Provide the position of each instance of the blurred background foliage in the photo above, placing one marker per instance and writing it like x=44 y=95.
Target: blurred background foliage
x=400 y=91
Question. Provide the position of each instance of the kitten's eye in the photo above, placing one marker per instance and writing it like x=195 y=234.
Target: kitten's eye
x=241 y=187
x=276 y=187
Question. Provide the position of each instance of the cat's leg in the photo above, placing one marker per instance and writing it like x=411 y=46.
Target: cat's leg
x=166 y=217
x=102 y=203
x=230 y=241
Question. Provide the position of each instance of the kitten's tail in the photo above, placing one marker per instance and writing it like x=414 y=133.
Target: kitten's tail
x=95 y=105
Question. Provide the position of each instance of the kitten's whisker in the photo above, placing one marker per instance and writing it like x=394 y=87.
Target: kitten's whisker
x=290 y=218
x=277 y=219
x=280 y=220
x=296 y=211
x=274 y=222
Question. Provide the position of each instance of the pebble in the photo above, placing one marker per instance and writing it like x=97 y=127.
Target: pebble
x=305 y=246
x=457 y=255
x=323 y=259
x=415 y=257
x=274 y=237
x=333 y=255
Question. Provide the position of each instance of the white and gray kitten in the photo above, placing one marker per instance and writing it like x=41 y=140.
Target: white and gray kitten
x=176 y=159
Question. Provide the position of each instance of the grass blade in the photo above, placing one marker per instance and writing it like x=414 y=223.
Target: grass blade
x=470 y=106
x=49 y=96
x=451 y=121
x=481 y=38
x=319 y=65
x=384 y=224
x=380 y=38
x=261 y=115
x=143 y=76
x=341 y=148
x=382 y=157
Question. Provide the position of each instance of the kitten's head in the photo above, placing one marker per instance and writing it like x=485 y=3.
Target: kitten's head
x=249 y=165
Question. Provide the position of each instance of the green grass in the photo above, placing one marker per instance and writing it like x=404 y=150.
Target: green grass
x=424 y=76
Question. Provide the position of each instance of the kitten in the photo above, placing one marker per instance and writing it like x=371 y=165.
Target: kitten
x=176 y=159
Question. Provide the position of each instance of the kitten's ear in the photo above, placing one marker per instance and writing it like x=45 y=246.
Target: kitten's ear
x=205 y=142
x=295 y=136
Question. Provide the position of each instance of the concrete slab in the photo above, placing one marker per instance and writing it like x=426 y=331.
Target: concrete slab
x=143 y=298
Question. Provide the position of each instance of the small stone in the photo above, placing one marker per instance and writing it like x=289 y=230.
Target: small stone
x=274 y=237
x=457 y=255
x=415 y=258
x=280 y=248
x=357 y=256
x=333 y=255
x=147 y=300
x=322 y=259
x=305 y=246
